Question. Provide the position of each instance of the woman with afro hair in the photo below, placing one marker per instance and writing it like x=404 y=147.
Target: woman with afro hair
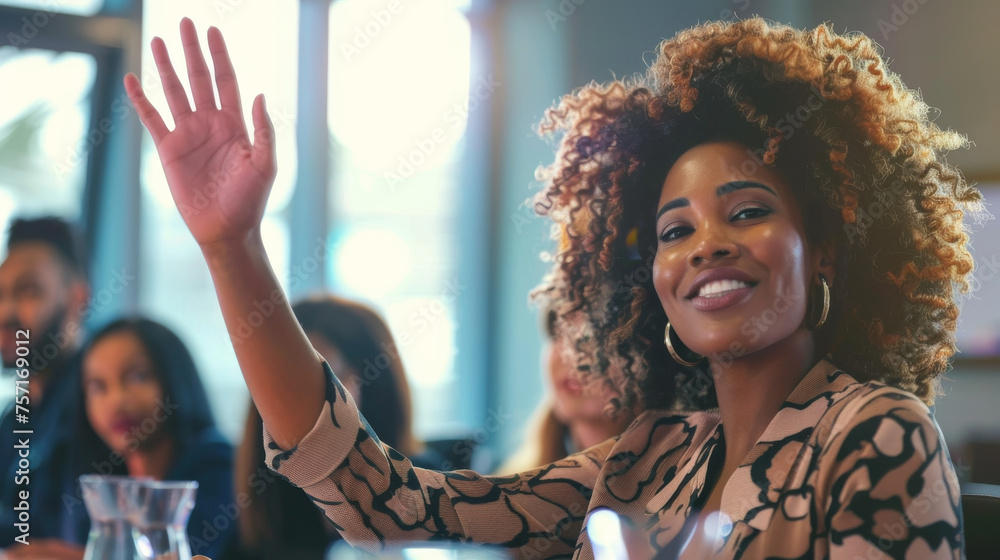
x=767 y=245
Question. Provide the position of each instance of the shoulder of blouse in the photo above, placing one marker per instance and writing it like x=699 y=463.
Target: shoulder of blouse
x=650 y=417
x=654 y=429
x=869 y=402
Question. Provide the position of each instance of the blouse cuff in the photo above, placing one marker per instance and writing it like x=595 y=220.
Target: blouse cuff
x=326 y=445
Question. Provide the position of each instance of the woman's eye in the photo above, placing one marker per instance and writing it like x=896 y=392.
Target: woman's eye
x=138 y=377
x=751 y=213
x=674 y=233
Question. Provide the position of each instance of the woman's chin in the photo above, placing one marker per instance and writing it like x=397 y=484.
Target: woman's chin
x=708 y=336
x=719 y=348
x=119 y=444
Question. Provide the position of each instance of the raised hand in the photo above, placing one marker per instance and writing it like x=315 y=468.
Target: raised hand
x=219 y=180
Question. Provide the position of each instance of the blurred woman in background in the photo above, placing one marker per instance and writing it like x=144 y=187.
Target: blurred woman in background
x=575 y=416
x=143 y=412
x=354 y=339
x=280 y=520
x=144 y=401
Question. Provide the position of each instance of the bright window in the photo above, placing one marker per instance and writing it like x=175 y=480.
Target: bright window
x=46 y=7
x=398 y=98
x=44 y=139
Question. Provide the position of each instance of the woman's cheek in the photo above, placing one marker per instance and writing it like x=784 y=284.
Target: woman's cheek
x=99 y=416
x=658 y=279
x=664 y=278
x=152 y=397
x=94 y=415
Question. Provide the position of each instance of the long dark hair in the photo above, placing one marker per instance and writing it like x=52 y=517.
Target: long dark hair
x=183 y=391
x=281 y=517
x=364 y=340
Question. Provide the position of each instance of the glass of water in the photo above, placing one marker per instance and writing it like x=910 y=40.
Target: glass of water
x=158 y=512
x=137 y=518
x=108 y=503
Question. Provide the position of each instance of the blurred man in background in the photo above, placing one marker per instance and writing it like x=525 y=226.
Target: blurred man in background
x=43 y=296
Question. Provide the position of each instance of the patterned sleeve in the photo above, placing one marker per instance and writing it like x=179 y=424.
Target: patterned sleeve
x=375 y=496
x=892 y=489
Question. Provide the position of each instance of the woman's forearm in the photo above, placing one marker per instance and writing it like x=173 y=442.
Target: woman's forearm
x=281 y=369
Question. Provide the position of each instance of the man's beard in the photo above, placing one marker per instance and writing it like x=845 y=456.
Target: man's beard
x=40 y=339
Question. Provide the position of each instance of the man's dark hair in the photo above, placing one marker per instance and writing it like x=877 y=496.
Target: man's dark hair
x=57 y=233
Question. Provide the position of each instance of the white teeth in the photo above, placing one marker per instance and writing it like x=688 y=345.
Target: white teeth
x=718 y=288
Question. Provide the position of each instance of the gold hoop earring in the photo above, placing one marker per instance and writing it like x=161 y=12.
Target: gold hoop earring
x=826 y=303
x=673 y=353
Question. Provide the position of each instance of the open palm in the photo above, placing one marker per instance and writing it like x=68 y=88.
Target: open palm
x=218 y=178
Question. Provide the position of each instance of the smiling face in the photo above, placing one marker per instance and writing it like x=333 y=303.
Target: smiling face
x=122 y=393
x=733 y=268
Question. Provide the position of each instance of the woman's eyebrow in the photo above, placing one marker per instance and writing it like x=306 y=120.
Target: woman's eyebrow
x=731 y=186
x=722 y=189
x=137 y=363
x=675 y=203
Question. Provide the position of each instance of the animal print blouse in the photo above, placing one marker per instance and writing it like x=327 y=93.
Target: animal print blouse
x=845 y=470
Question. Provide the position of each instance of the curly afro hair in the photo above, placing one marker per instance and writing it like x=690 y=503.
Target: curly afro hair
x=869 y=171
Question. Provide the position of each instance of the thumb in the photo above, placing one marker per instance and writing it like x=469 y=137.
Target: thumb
x=263 y=137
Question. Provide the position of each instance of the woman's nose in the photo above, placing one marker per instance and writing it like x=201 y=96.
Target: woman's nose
x=115 y=398
x=712 y=243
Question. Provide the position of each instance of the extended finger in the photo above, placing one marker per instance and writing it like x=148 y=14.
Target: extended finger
x=201 y=79
x=177 y=98
x=148 y=114
x=225 y=76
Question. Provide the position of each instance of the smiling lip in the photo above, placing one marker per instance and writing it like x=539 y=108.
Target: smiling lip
x=727 y=299
x=570 y=385
x=713 y=274
x=731 y=297
x=124 y=425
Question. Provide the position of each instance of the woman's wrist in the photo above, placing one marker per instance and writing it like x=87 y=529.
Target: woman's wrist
x=227 y=252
